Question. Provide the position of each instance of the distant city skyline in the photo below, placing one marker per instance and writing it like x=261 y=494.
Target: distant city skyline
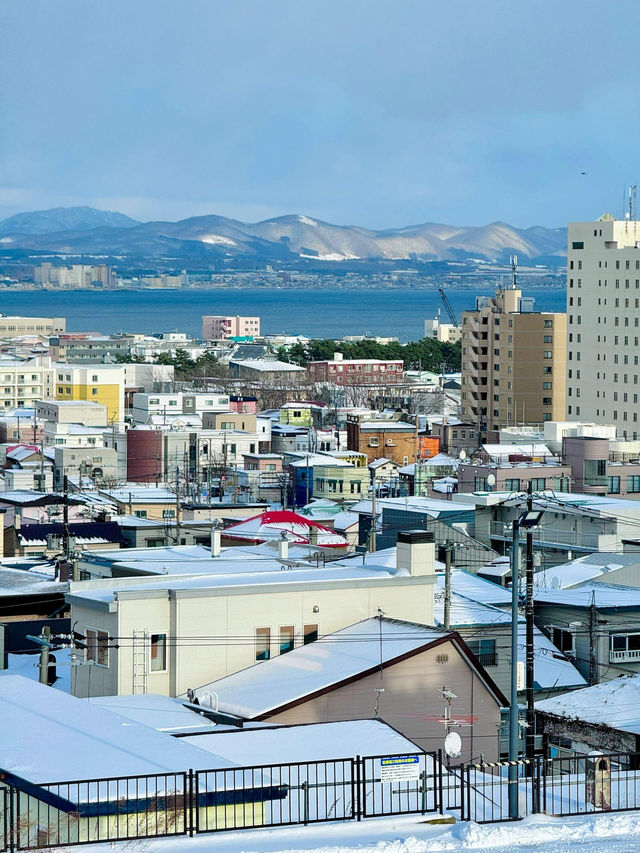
x=381 y=115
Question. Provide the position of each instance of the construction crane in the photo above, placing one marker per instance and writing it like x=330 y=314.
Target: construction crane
x=448 y=307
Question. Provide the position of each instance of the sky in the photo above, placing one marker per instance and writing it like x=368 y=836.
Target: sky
x=380 y=113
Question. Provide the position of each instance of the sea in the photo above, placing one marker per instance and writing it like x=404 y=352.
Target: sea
x=314 y=312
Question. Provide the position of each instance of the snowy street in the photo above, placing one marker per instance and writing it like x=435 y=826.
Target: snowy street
x=611 y=833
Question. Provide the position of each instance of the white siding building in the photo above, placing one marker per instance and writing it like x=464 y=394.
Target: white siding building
x=603 y=323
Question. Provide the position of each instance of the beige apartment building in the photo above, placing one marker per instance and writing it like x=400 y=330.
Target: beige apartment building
x=218 y=327
x=603 y=309
x=513 y=362
x=12 y=327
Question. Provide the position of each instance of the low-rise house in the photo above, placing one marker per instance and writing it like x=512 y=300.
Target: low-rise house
x=397 y=670
x=513 y=476
x=480 y=614
x=98 y=464
x=596 y=625
x=259 y=370
x=391 y=439
x=604 y=717
x=36 y=539
x=147 y=502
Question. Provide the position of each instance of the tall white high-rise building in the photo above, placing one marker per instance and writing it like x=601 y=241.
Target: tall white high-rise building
x=603 y=323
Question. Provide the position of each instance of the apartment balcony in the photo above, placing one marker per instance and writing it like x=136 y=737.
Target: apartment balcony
x=560 y=539
x=626 y=656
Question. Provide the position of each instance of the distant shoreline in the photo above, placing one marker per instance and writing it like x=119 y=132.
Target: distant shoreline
x=311 y=287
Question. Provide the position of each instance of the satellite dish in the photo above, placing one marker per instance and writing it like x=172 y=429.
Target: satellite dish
x=453 y=745
x=491 y=480
x=462 y=455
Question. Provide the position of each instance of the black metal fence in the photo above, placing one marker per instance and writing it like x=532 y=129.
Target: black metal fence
x=61 y=814
x=575 y=785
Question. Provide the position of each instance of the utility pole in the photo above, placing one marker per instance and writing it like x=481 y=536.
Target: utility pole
x=177 y=505
x=66 y=538
x=448 y=548
x=373 y=544
x=593 y=664
x=44 y=655
x=513 y=699
x=529 y=674
x=307 y=478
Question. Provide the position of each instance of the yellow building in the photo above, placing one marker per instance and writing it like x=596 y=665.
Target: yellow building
x=95 y=383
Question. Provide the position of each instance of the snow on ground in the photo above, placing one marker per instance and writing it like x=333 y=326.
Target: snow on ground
x=607 y=833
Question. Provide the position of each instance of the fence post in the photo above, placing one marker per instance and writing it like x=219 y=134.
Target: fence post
x=462 y=817
x=440 y=796
x=189 y=802
x=358 y=803
x=305 y=801
x=535 y=793
x=423 y=791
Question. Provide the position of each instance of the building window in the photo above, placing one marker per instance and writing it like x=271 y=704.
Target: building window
x=512 y=485
x=613 y=485
x=547 y=339
x=97 y=647
x=633 y=483
x=538 y=484
x=547 y=354
x=479 y=484
x=561 y=639
x=263 y=643
x=140 y=513
x=310 y=634
x=286 y=639
x=158 y=652
x=485 y=651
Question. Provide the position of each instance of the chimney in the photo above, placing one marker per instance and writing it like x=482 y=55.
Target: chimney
x=215 y=540
x=416 y=552
x=283 y=546
x=313 y=536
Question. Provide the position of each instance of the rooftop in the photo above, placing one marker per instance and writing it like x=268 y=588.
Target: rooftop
x=56 y=737
x=614 y=704
x=325 y=663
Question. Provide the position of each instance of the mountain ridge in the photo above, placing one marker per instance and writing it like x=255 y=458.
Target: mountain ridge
x=86 y=230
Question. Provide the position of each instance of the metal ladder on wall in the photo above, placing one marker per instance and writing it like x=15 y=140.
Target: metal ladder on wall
x=140 y=647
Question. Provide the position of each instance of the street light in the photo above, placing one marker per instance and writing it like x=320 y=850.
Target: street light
x=527 y=521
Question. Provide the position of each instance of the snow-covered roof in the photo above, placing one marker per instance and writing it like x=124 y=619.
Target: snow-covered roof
x=271 y=525
x=587 y=568
x=344 y=520
x=56 y=737
x=267 y=366
x=312 y=742
x=503 y=451
x=316 y=666
x=498 y=568
x=600 y=594
x=431 y=506
x=445 y=485
x=474 y=587
x=161 y=713
x=314 y=459
x=552 y=670
x=15 y=581
x=267 y=574
x=614 y=704
x=379 y=463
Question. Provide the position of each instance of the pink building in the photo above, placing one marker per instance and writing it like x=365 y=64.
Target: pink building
x=363 y=371
x=242 y=404
x=218 y=328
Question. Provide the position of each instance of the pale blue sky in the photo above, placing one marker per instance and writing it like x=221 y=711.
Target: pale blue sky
x=373 y=112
